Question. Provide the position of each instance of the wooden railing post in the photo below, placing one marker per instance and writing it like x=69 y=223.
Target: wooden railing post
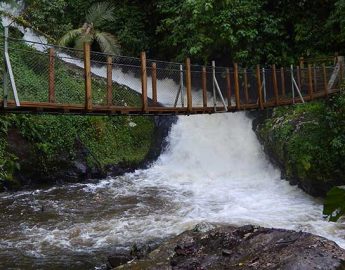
x=87 y=70
x=275 y=85
x=189 y=86
x=282 y=77
x=204 y=87
x=310 y=80
x=154 y=84
x=51 y=75
x=109 y=80
x=325 y=79
x=258 y=78
x=237 y=87
x=228 y=85
x=144 y=82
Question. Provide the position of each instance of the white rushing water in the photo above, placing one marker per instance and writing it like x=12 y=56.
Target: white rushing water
x=214 y=170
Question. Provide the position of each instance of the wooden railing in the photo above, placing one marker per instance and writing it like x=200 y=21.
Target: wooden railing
x=234 y=88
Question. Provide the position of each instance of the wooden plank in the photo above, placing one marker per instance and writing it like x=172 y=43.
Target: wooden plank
x=310 y=82
x=144 y=82
x=51 y=75
x=109 y=80
x=282 y=78
x=246 y=94
x=228 y=86
x=275 y=85
x=324 y=71
x=189 y=85
x=204 y=87
x=258 y=78
x=237 y=87
x=154 y=84
x=87 y=70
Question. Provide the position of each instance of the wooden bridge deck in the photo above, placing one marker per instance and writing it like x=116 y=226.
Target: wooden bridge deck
x=79 y=109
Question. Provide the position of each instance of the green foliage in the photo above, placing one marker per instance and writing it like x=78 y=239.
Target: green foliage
x=250 y=31
x=204 y=28
x=109 y=140
x=334 y=206
x=96 y=17
x=309 y=139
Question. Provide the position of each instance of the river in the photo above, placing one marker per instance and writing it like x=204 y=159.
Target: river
x=214 y=170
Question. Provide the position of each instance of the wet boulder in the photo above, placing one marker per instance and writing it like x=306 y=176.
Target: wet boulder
x=247 y=247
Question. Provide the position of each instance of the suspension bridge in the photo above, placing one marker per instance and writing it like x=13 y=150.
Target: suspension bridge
x=43 y=78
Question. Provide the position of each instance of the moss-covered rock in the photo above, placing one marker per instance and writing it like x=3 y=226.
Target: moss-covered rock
x=307 y=141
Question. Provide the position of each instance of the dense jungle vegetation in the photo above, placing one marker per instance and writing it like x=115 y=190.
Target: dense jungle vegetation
x=248 y=32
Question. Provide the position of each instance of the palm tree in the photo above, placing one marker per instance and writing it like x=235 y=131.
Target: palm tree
x=96 y=17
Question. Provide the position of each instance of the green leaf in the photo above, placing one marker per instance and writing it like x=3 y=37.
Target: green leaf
x=334 y=206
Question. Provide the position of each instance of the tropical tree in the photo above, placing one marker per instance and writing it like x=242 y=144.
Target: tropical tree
x=97 y=16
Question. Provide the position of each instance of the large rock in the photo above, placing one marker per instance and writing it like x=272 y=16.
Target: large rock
x=247 y=247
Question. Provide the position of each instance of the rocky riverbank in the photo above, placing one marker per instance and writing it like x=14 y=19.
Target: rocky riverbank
x=306 y=142
x=50 y=160
x=210 y=246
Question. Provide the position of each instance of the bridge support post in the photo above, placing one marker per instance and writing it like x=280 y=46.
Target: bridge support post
x=189 y=86
x=258 y=78
x=87 y=70
x=144 y=82
x=109 y=81
x=51 y=75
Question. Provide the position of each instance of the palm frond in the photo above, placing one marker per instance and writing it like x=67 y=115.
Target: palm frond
x=70 y=37
x=79 y=42
x=100 y=13
x=107 y=42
